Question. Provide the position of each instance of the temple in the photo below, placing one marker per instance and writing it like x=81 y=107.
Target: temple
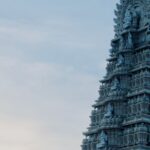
x=120 y=119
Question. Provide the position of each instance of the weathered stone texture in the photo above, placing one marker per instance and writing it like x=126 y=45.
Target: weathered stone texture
x=120 y=119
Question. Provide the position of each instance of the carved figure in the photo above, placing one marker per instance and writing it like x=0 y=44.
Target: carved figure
x=136 y=19
x=115 y=84
x=121 y=61
x=103 y=140
x=109 y=112
x=127 y=22
x=129 y=43
x=121 y=43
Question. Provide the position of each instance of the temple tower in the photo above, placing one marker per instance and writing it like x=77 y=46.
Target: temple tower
x=120 y=119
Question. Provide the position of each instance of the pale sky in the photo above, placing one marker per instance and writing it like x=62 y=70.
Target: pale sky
x=52 y=56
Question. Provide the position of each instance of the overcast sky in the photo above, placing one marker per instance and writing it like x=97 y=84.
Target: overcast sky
x=52 y=56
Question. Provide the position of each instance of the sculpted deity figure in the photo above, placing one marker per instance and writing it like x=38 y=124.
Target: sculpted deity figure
x=120 y=61
x=115 y=85
x=103 y=140
x=129 y=43
x=121 y=43
x=127 y=22
x=136 y=19
x=109 y=111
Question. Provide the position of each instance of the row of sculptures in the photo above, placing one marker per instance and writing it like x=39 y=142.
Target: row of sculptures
x=125 y=42
x=120 y=63
x=136 y=134
x=109 y=113
x=131 y=18
x=142 y=138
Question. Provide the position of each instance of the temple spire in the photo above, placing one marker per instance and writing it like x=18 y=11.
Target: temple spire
x=121 y=116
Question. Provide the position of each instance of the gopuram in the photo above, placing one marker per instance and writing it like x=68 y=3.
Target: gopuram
x=120 y=119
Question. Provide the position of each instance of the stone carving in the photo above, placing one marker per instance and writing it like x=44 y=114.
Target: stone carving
x=109 y=111
x=115 y=85
x=136 y=19
x=121 y=43
x=103 y=140
x=122 y=117
x=121 y=61
x=127 y=22
x=131 y=14
x=115 y=88
x=131 y=17
x=129 y=43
